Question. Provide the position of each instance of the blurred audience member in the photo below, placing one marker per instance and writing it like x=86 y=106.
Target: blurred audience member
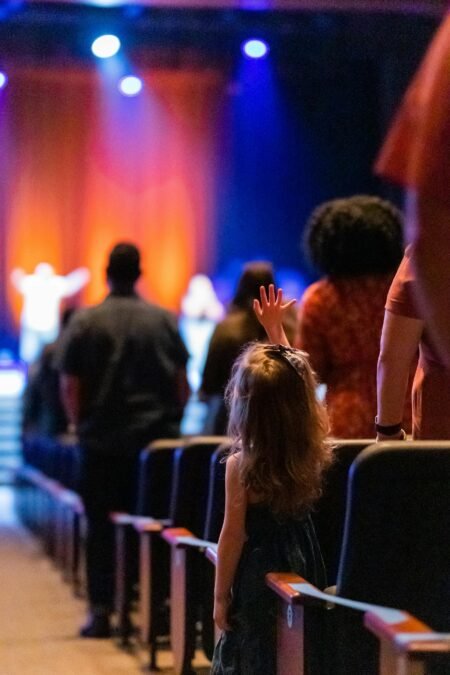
x=416 y=154
x=43 y=411
x=200 y=311
x=42 y=294
x=356 y=243
x=238 y=328
x=124 y=385
x=404 y=331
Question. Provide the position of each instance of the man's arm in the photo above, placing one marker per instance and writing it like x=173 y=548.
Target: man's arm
x=431 y=260
x=399 y=342
x=70 y=386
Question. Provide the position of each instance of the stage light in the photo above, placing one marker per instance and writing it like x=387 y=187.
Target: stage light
x=255 y=49
x=3 y=80
x=105 y=46
x=130 y=85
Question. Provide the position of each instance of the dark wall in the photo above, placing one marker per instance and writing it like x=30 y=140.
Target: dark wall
x=310 y=131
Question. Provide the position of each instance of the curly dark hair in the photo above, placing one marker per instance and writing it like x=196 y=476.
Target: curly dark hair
x=356 y=236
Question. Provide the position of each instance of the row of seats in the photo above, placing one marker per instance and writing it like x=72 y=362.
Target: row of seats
x=383 y=523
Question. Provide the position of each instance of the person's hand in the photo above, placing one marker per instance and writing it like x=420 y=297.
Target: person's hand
x=269 y=312
x=401 y=436
x=221 y=607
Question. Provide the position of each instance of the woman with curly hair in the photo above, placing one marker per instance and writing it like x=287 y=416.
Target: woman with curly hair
x=356 y=243
x=273 y=476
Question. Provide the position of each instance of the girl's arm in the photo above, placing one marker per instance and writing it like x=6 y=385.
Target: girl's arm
x=269 y=312
x=231 y=541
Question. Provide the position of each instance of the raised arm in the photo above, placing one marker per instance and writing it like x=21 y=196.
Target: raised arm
x=17 y=277
x=231 y=541
x=400 y=339
x=75 y=281
x=270 y=311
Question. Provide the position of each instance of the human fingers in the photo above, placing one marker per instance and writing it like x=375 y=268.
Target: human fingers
x=272 y=294
x=263 y=296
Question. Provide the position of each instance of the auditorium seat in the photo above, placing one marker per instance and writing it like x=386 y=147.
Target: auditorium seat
x=329 y=513
x=192 y=577
x=153 y=500
x=189 y=495
x=395 y=554
x=48 y=501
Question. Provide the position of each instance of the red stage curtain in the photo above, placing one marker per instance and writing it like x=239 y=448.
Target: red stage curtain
x=84 y=167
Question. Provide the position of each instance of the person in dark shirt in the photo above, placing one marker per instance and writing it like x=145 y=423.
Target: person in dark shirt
x=43 y=411
x=231 y=335
x=124 y=385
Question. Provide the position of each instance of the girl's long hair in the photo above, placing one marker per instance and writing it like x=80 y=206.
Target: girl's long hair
x=280 y=427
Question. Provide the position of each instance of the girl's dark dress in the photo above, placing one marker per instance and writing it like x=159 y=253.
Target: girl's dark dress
x=273 y=545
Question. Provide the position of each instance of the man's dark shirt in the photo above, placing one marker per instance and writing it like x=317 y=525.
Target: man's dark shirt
x=127 y=354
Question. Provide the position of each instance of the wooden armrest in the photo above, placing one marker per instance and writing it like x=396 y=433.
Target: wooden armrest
x=119 y=518
x=211 y=554
x=180 y=537
x=138 y=522
x=281 y=584
x=142 y=524
x=406 y=633
x=172 y=534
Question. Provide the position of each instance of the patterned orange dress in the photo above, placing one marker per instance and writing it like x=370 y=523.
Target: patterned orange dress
x=340 y=322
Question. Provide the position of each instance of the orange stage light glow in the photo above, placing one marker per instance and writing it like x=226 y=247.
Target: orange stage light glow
x=87 y=167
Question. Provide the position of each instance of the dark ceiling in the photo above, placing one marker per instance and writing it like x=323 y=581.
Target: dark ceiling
x=58 y=33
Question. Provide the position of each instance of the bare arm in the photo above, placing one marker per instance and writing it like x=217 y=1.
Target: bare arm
x=231 y=541
x=269 y=312
x=431 y=259
x=71 y=397
x=400 y=339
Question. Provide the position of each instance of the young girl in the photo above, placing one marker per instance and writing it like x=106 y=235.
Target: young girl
x=273 y=476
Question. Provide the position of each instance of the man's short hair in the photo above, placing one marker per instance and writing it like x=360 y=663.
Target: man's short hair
x=124 y=263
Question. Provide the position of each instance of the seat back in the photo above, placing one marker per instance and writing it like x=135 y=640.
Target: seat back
x=329 y=512
x=396 y=546
x=191 y=481
x=215 y=508
x=156 y=476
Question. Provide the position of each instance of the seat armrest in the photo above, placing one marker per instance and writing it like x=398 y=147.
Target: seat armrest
x=172 y=535
x=181 y=537
x=405 y=633
x=211 y=554
x=281 y=583
x=142 y=524
x=119 y=518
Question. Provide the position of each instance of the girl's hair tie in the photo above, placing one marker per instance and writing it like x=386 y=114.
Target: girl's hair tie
x=291 y=356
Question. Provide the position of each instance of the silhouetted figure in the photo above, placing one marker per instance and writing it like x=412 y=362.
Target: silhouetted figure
x=124 y=385
x=43 y=410
x=42 y=294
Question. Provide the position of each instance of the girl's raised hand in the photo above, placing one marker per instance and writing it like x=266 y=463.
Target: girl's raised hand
x=269 y=311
